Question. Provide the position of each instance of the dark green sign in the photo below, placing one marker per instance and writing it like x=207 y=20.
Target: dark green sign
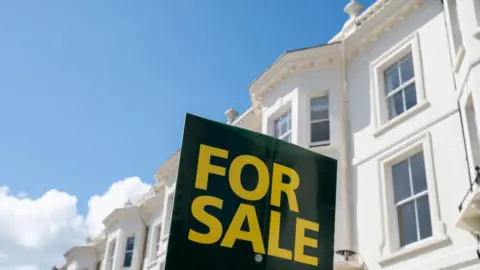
x=248 y=201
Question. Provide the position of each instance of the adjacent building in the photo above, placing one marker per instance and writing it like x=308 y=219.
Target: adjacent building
x=394 y=97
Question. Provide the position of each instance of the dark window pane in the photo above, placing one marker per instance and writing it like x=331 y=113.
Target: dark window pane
x=401 y=181
x=406 y=68
x=127 y=262
x=320 y=131
x=425 y=223
x=319 y=115
x=395 y=104
x=288 y=138
x=130 y=243
x=407 y=226
x=392 y=81
x=410 y=96
x=419 y=178
x=319 y=108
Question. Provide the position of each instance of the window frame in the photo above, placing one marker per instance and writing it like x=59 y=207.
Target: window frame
x=168 y=212
x=390 y=248
x=466 y=104
x=290 y=129
x=276 y=105
x=128 y=251
x=112 y=247
x=382 y=122
x=411 y=198
x=457 y=50
x=325 y=142
x=454 y=26
x=397 y=64
x=157 y=240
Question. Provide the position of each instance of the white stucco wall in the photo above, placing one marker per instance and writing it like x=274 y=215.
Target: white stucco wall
x=438 y=122
x=119 y=232
x=295 y=94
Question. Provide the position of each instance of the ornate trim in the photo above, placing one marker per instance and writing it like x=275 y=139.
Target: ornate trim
x=286 y=72
x=384 y=27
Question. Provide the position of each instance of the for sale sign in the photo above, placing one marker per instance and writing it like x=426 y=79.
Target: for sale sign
x=245 y=200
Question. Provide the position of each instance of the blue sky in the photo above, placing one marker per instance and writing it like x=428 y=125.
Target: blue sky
x=92 y=92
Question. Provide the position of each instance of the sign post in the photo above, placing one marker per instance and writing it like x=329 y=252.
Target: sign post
x=247 y=201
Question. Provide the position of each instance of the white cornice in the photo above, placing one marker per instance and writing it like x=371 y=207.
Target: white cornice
x=130 y=212
x=89 y=247
x=287 y=71
x=168 y=168
x=290 y=63
x=378 y=20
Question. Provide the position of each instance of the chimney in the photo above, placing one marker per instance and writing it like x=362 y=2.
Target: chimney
x=231 y=115
x=353 y=9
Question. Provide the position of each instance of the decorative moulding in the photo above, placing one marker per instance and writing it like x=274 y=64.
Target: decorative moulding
x=286 y=72
x=381 y=28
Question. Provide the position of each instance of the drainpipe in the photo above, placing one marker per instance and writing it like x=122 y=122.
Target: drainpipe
x=344 y=158
x=145 y=238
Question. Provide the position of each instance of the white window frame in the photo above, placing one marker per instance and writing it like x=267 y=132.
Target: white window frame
x=281 y=119
x=411 y=198
x=166 y=219
x=274 y=106
x=128 y=251
x=156 y=233
x=454 y=25
x=390 y=249
x=466 y=105
x=157 y=241
x=168 y=211
x=111 y=253
x=319 y=143
x=381 y=120
x=455 y=41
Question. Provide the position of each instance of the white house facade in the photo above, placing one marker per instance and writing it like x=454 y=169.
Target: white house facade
x=393 y=97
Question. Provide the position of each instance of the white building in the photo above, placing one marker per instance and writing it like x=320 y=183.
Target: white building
x=392 y=97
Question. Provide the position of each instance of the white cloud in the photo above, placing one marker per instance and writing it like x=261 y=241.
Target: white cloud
x=116 y=196
x=34 y=233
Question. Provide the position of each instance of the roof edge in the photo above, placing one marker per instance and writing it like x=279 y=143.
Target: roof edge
x=290 y=52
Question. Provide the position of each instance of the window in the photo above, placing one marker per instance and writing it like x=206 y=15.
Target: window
x=158 y=234
x=145 y=241
x=319 y=121
x=283 y=127
x=127 y=262
x=410 y=214
x=111 y=255
x=400 y=89
x=411 y=200
x=168 y=217
x=472 y=131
